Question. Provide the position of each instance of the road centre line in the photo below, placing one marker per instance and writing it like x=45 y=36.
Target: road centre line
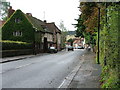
x=16 y=68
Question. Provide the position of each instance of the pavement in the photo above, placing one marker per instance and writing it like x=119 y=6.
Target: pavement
x=86 y=75
x=14 y=58
x=9 y=59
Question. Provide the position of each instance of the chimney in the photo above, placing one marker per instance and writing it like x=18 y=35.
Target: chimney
x=29 y=14
x=10 y=11
x=45 y=21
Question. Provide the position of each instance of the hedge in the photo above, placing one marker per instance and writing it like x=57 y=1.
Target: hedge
x=11 y=53
x=15 y=45
x=109 y=49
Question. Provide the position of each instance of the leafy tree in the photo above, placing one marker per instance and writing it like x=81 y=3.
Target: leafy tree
x=80 y=28
x=88 y=21
x=63 y=34
x=4 y=5
x=108 y=40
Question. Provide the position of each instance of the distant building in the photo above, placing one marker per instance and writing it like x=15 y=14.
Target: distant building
x=79 y=42
x=70 y=35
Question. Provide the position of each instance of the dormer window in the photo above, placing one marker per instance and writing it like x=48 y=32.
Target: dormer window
x=17 y=33
x=17 y=20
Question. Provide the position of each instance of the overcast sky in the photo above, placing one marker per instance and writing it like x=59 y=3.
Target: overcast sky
x=50 y=10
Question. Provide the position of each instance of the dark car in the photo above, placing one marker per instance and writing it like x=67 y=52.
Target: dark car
x=52 y=50
x=70 y=48
x=80 y=47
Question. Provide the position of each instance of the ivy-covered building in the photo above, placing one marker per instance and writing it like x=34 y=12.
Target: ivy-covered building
x=18 y=28
x=26 y=28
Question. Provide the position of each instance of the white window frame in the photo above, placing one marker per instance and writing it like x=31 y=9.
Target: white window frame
x=17 y=33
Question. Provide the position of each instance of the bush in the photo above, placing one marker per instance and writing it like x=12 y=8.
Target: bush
x=110 y=80
x=15 y=45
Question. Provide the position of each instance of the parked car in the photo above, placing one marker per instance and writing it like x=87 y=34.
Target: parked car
x=52 y=50
x=80 y=47
x=70 y=48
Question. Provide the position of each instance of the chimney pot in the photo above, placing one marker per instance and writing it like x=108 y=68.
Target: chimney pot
x=10 y=11
x=45 y=21
x=29 y=14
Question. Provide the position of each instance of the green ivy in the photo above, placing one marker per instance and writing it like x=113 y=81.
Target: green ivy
x=109 y=48
x=24 y=25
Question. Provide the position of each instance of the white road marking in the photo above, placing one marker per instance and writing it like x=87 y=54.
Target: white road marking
x=62 y=83
x=23 y=65
x=70 y=76
x=16 y=68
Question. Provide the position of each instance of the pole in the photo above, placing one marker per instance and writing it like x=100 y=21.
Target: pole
x=98 y=61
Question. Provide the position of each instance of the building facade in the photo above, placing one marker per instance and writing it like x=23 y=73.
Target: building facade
x=26 y=28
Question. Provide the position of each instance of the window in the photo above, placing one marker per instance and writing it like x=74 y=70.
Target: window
x=14 y=33
x=20 y=33
x=17 y=33
x=17 y=20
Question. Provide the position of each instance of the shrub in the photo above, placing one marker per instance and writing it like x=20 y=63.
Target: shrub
x=15 y=45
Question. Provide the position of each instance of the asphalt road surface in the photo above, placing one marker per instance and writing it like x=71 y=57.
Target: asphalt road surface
x=47 y=71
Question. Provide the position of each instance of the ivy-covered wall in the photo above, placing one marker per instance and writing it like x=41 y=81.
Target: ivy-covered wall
x=109 y=48
x=23 y=25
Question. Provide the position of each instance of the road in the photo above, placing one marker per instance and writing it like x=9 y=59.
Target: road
x=47 y=71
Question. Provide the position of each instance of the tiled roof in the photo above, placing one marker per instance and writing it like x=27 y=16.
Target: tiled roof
x=76 y=41
x=35 y=22
x=53 y=28
x=40 y=25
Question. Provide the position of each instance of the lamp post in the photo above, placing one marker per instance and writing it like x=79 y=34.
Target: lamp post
x=98 y=53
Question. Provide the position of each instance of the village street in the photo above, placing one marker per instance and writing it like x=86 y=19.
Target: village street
x=47 y=71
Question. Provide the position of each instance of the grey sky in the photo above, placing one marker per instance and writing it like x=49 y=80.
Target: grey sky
x=51 y=10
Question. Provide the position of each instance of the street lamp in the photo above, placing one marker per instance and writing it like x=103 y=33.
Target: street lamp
x=98 y=53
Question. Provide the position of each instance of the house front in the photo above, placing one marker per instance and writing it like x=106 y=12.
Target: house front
x=26 y=28
x=56 y=35
x=18 y=28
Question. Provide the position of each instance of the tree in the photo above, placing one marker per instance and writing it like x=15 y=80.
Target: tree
x=63 y=34
x=4 y=5
x=109 y=47
x=87 y=22
x=80 y=27
x=71 y=41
